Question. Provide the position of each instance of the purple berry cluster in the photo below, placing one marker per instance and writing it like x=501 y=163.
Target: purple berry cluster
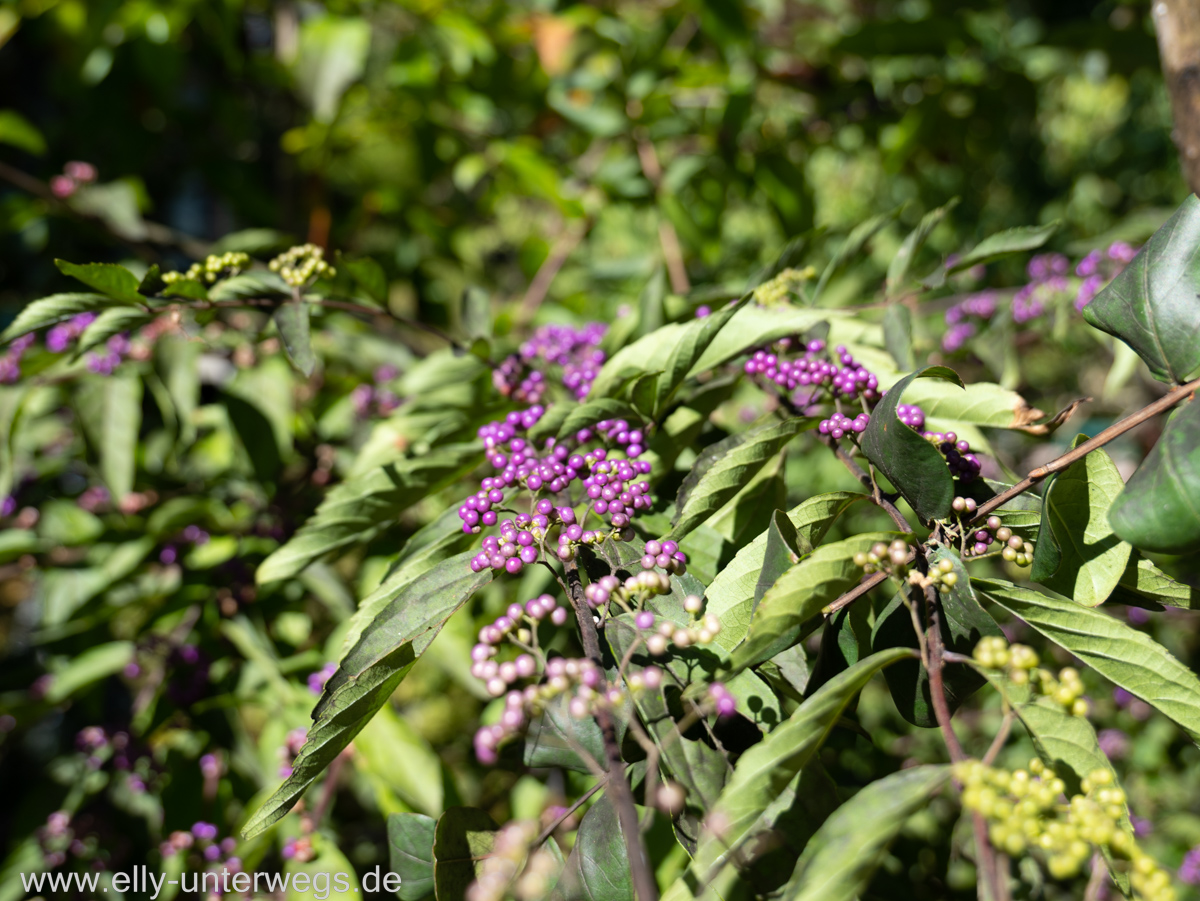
x=911 y=415
x=723 y=701
x=291 y=749
x=979 y=541
x=839 y=425
x=317 y=680
x=962 y=319
x=203 y=838
x=1100 y=267
x=376 y=399
x=619 y=432
x=963 y=464
x=10 y=360
x=75 y=175
x=573 y=350
x=1047 y=279
x=191 y=535
x=116 y=750
x=106 y=360
x=664 y=555
x=814 y=370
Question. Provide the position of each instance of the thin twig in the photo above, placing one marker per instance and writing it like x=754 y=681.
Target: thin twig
x=562 y=818
x=856 y=592
x=1098 y=880
x=1168 y=400
x=644 y=884
x=1001 y=737
x=883 y=501
x=544 y=277
x=667 y=237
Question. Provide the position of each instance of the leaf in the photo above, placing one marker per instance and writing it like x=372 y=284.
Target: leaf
x=963 y=623
x=396 y=753
x=65 y=590
x=1144 y=579
x=783 y=550
x=732 y=595
x=111 y=322
x=355 y=510
x=727 y=475
x=370 y=672
x=55 y=309
x=798 y=595
x=65 y=524
x=1077 y=554
x=252 y=241
x=464 y=836
x=1153 y=305
x=598 y=866
x=370 y=278
x=18 y=131
x=1001 y=244
x=693 y=342
x=330 y=865
x=333 y=54
x=477 y=313
x=764 y=771
x=111 y=412
x=1123 y=655
x=979 y=403
x=107 y=278
x=901 y=263
x=911 y=464
x=292 y=320
x=839 y=861
x=1159 y=509
x=588 y=414
x=89 y=666
x=557 y=739
x=754 y=326
x=897 y=336
x=855 y=243
x=258 y=283
x=410 y=839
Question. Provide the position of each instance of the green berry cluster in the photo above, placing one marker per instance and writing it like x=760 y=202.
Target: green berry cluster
x=776 y=291
x=1024 y=813
x=1021 y=665
x=215 y=266
x=301 y=264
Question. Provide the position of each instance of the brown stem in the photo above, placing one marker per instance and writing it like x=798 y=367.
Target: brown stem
x=562 y=818
x=667 y=237
x=1168 y=400
x=644 y=885
x=855 y=593
x=877 y=497
x=1001 y=737
x=331 y=780
x=1177 y=23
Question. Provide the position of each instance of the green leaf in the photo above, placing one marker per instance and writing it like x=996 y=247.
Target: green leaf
x=111 y=322
x=733 y=594
x=754 y=326
x=839 y=861
x=979 y=403
x=370 y=278
x=1123 y=655
x=693 y=342
x=65 y=589
x=292 y=320
x=588 y=414
x=727 y=475
x=1001 y=244
x=370 y=672
x=902 y=262
x=410 y=839
x=851 y=248
x=1077 y=554
x=913 y=465
x=18 y=131
x=798 y=595
x=557 y=739
x=66 y=524
x=111 y=412
x=401 y=759
x=253 y=241
x=897 y=336
x=1159 y=510
x=55 y=309
x=107 y=278
x=464 y=836
x=329 y=866
x=764 y=772
x=598 y=866
x=477 y=313
x=1153 y=305
x=259 y=283
x=963 y=623
x=785 y=547
x=89 y=666
x=356 y=510
x=1144 y=579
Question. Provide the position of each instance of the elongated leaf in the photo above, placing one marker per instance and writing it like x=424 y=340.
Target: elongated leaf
x=733 y=594
x=841 y=858
x=693 y=342
x=410 y=839
x=557 y=739
x=1077 y=553
x=732 y=471
x=851 y=248
x=111 y=412
x=90 y=666
x=393 y=751
x=785 y=547
x=1154 y=304
x=963 y=623
x=764 y=771
x=1159 y=510
x=911 y=464
x=463 y=838
x=598 y=866
x=1125 y=656
x=897 y=336
x=1001 y=244
x=111 y=322
x=1147 y=581
x=55 y=309
x=588 y=414
x=107 y=278
x=901 y=263
x=798 y=595
x=646 y=356
x=754 y=326
x=292 y=320
x=979 y=403
x=356 y=510
x=369 y=673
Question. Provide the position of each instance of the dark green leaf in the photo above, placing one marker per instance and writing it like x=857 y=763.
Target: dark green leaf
x=292 y=320
x=1145 y=580
x=841 y=858
x=107 y=278
x=111 y=322
x=727 y=474
x=464 y=836
x=845 y=640
x=557 y=739
x=598 y=866
x=785 y=547
x=111 y=412
x=693 y=342
x=897 y=336
x=1159 y=510
x=911 y=464
x=901 y=263
x=55 y=309
x=1077 y=554
x=410 y=838
x=1131 y=659
x=963 y=623
x=1154 y=304
x=1001 y=244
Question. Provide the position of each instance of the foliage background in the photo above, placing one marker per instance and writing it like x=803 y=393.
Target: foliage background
x=462 y=144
